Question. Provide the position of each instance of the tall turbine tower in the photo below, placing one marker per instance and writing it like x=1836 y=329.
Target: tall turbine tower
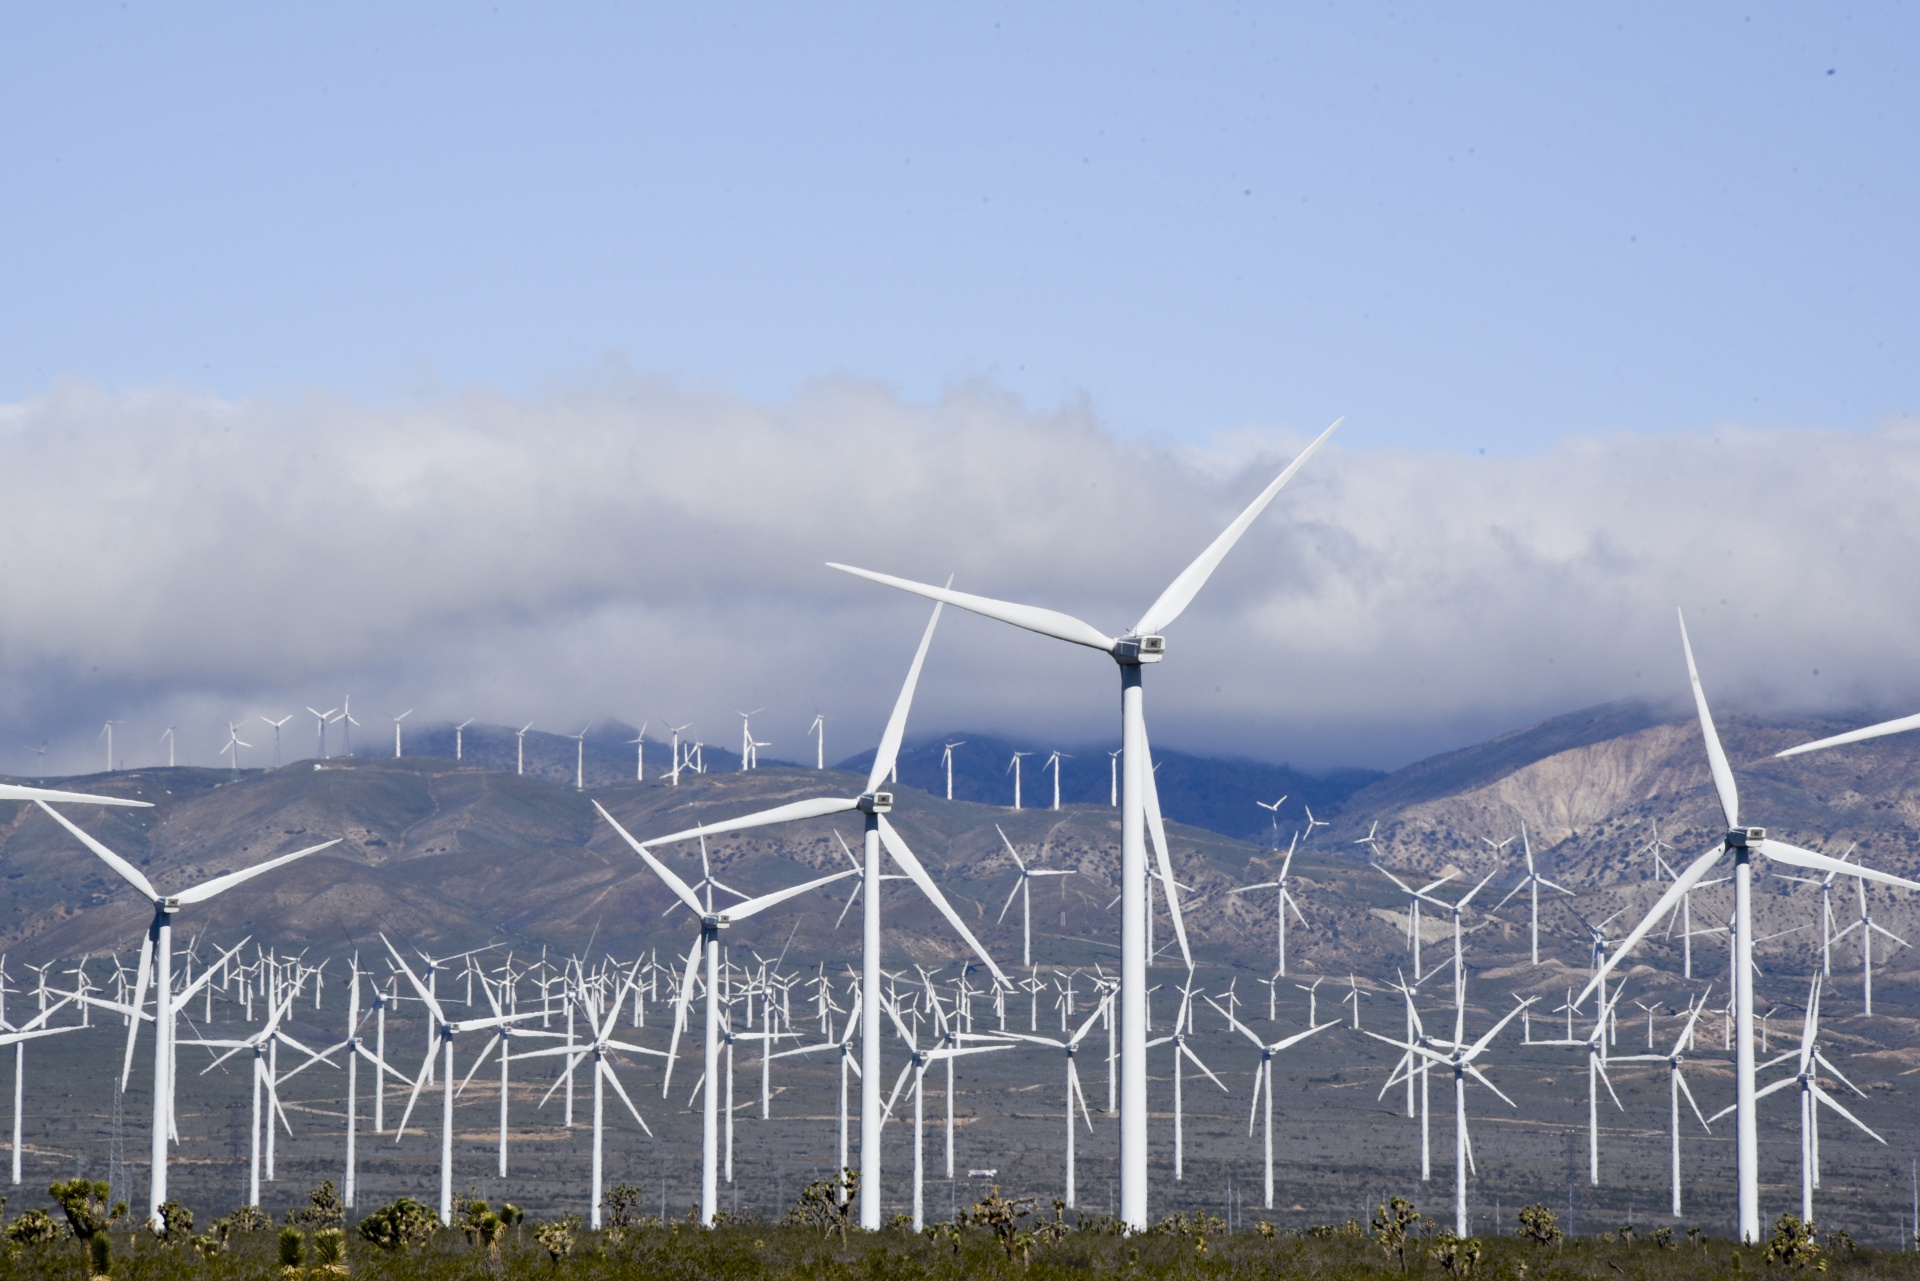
x=1139 y=813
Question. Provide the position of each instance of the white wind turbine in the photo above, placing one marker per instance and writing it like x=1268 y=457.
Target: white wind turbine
x=276 y=735
x=819 y=731
x=749 y=753
x=32 y=1030
x=1113 y=777
x=459 y=739
x=674 y=771
x=396 y=729
x=1594 y=1044
x=233 y=744
x=347 y=723
x=1677 y=1086
x=1742 y=843
x=1867 y=927
x=1013 y=767
x=1053 y=763
x=1531 y=882
x=1139 y=815
x=167 y=738
x=602 y=1028
x=916 y=1067
x=1414 y=899
x=712 y=921
x=1263 y=1079
x=520 y=748
x=1023 y=889
x=946 y=763
x=107 y=733
x=1075 y=1096
x=1460 y=1058
x=356 y=1050
x=447 y=1029
x=156 y=958
x=321 y=721
x=874 y=803
x=843 y=1047
x=1809 y=1062
x=580 y=758
x=261 y=1043
x=1283 y=899
x=1182 y=1030
x=639 y=744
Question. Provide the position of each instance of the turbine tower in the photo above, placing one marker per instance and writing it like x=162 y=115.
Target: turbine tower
x=1141 y=646
x=396 y=729
x=946 y=763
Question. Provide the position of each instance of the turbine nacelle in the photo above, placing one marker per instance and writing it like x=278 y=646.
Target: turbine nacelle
x=1131 y=651
x=875 y=802
x=715 y=921
x=1740 y=838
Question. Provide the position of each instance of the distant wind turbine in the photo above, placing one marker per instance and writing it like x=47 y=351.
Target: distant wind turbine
x=1053 y=763
x=276 y=736
x=1013 y=767
x=459 y=742
x=1023 y=889
x=396 y=729
x=819 y=730
x=946 y=763
x=520 y=748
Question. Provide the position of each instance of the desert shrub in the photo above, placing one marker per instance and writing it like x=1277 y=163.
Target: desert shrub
x=84 y=1202
x=1663 y=1238
x=1794 y=1244
x=246 y=1218
x=1457 y=1255
x=1392 y=1221
x=622 y=1203
x=827 y=1204
x=100 y=1252
x=330 y=1249
x=176 y=1222
x=402 y=1224
x=557 y=1237
x=33 y=1227
x=293 y=1247
x=1001 y=1216
x=323 y=1209
x=1539 y=1225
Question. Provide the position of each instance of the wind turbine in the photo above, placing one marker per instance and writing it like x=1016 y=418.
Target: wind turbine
x=580 y=758
x=675 y=771
x=1263 y=1079
x=848 y=1063
x=1141 y=646
x=321 y=720
x=1113 y=777
x=1460 y=1057
x=1013 y=767
x=107 y=733
x=276 y=736
x=32 y=1030
x=1053 y=763
x=749 y=755
x=1182 y=1030
x=1283 y=899
x=448 y=1029
x=396 y=729
x=459 y=741
x=1742 y=843
x=346 y=725
x=639 y=744
x=167 y=738
x=1677 y=1085
x=1070 y=1045
x=520 y=748
x=1595 y=1046
x=1867 y=927
x=1414 y=898
x=156 y=957
x=356 y=1050
x=1024 y=890
x=233 y=745
x=712 y=921
x=946 y=763
x=596 y=1047
x=1273 y=812
x=1532 y=882
x=819 y=731
x=874 y=803
x=916 y=1066
x=262 y=1043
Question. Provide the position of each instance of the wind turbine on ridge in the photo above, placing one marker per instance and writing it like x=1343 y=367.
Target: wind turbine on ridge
x=396 y=729
x=1023 y=889
x=1742 y=843
x=1053 y=763
x=1013 y=767
x=874 y=803
x=276 y=735
x=156 y=960
x=1283 y=899
x=946 y=763
x=1140 y=646
x=520 y=749
x=459 y=741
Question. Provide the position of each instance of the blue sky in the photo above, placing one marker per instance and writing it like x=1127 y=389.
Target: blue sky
x=1466 y=228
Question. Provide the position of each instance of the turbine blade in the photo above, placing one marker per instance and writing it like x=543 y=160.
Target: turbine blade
x=141 y=979
x=127 y=870
x=1181 y=591
x=1851 y=736
x=754 y=906
x=1716 y=755
x=910 y=864
x=1157 y=830
x=1666 y=903
x=1834 y=1103
x=1047 y=622
x=221 y=884
x=680 y=888
x=889 y=749
x=1781 y=852
x=1686 y=1090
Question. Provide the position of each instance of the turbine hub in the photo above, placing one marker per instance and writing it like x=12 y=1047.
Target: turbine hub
x=1740 y=838
x=1131 y=651
x=876 y=802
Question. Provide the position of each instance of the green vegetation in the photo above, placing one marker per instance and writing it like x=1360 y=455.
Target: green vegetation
x=1001 y=1236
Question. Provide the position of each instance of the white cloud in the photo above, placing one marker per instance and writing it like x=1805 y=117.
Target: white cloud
x=636 y=548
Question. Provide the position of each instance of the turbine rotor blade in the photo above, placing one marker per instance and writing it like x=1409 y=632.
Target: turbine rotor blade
x=889 y=750
x=1716 y=755
x=1047 y=622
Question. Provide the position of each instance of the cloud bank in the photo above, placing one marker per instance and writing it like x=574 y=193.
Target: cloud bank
x=636 y=548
